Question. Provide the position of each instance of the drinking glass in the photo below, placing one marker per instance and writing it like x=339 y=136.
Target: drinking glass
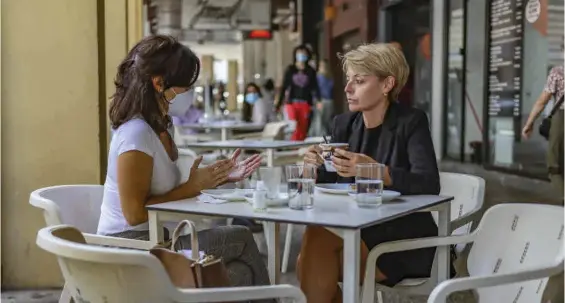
x=271 y=177
x=300 y=180
x=369 y=184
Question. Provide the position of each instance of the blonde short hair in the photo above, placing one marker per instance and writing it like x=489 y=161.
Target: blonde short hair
x=379 y=59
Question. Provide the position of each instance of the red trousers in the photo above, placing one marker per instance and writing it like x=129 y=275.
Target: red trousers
x=299 y=112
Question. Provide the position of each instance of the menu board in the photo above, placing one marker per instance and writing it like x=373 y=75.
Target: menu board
x=505 y=64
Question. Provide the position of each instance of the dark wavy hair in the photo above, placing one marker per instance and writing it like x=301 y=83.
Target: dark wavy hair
x=135 y=95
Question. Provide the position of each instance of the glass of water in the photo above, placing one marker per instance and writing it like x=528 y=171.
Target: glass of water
x=271 y=177
x=369 y=184
x=301 y=180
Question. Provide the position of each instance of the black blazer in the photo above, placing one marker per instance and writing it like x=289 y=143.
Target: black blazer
x=405 y=146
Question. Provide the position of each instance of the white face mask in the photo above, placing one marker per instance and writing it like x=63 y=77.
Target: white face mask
x=179 y=105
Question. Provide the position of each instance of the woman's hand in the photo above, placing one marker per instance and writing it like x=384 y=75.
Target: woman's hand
x=313 y=156
x=527 y=130
x=243 y=169
x=210 y=176
x=345 y=161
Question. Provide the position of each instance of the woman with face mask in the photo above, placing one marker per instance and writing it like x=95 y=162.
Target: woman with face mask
x=255 y=108
x=153 y=82
x=299 y=89
x=188 y=114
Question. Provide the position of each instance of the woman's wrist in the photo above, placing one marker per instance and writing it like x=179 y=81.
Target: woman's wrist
x=191 y=189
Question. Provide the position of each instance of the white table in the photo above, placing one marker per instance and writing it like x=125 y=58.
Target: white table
x=339 y=214
x=226 y=127
x=269 y=146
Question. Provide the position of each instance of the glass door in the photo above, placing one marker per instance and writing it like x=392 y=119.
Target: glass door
x=454 y=132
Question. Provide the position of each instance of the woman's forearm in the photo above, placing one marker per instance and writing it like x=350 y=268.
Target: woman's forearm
x=540 y=104
x=183 y=191
x=140 y=215
x=534 y=114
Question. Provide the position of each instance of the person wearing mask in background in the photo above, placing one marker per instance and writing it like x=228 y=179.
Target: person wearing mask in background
x=252 y=96
x=298 y=91
x=326 y=106
x=153 y=82
x=256 y=108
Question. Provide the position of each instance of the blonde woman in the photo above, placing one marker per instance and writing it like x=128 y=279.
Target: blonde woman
x=378 y=129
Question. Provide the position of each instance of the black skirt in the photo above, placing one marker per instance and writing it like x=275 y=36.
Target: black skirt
x=397 y=266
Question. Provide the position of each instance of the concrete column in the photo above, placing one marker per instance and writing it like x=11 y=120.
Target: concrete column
x=284 y=53
x=207 y=67
x=270 y=59
x=134 y=21
x=248 y=61
x=232 y=86
x=439 y=52
x=116 y=47
x=50 y=121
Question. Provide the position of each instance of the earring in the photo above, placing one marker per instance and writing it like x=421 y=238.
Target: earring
x=386 y=94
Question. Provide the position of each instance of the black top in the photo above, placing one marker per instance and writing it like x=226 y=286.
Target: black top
x=403 y=143
x=300 y=85
x=370 y=142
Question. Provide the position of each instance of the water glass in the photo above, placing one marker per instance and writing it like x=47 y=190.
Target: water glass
x=271 y=177
x=301 y=180
x=369 y=184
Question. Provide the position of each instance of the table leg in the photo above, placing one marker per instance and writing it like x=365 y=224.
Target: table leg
x=224 y=134
x=274 y=260
x=351 y=264
x=156 y=235
x=443 y=252
x=270 y=157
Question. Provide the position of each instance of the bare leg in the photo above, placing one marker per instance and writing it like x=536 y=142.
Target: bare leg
x=320 y=265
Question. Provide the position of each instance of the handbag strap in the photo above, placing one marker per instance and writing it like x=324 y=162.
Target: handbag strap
x=193 y=238
x=556 y=107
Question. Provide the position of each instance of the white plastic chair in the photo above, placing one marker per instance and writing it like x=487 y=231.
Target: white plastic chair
x=516 y=247
x=101 y=274
x=468 y=192
x=78 y=205
x=271 y=131
x=182 y=138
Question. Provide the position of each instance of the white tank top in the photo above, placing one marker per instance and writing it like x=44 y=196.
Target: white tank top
x=135 y=134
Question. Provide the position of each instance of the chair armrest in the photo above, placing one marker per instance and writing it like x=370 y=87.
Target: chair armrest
x=257 y=135
x=117 y=242
x=444 y=289
x=237 y=294
x=468 y=218
x=402 y=245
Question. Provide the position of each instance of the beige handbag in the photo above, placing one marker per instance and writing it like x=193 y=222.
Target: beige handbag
x=195 y=271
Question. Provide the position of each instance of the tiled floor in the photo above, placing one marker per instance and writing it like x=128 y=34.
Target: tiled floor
x=501 y=188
